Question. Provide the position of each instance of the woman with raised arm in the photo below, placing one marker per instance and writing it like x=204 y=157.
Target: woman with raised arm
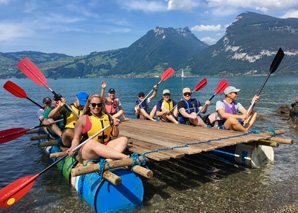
x=95 y=118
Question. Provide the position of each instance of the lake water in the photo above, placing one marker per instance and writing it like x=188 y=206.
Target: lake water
x=185 y=185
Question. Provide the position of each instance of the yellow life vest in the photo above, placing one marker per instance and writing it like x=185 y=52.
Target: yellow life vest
x=97 y=125
x=167 y=105
x=72 y=118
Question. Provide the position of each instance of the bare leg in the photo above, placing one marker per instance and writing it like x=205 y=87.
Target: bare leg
x=118 y=114
x=93 y=149
x=67 y=137
x=250 y=120
x=172 y=119
x=53 y=127
x=119 y=144
x=175 y=113
x=144 y=114
x=212 y=118
x=233 y=124
x=198 y=121
x=153 y=111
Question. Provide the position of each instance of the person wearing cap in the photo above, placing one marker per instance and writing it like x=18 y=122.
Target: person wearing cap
x=188 y=108
x=69 y=117
x=47 y=103
x=164 y=107
x=111 y=102
x=54 y=130
x=226 y=112
x=142 y=106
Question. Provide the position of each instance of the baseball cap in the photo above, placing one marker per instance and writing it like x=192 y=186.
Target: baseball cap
x=186 y=90
x=141 y=94
x=57 y=97
x=111 y=90
x=231 y=89
x=82 y=97
x=46 y=100
x=166 y=91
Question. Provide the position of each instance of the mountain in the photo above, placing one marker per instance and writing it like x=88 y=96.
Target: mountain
x=249 y=46
x=151 y=55
x=8 y=62
x=157 y=50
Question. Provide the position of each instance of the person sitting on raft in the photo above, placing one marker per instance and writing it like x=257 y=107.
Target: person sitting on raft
x=94 y=118
x=69 y=117
x=164 y=106
x=188 y=108
x=47 y=103
x=226 y=112
x=112 y=103
x=54 y=129
x=142 y=110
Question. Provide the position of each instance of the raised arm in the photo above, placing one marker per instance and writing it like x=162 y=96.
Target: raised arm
x=56 y=111
x=103 y=89
x=153 y=94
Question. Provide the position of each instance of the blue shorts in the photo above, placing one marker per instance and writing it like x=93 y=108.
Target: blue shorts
x=223 y=126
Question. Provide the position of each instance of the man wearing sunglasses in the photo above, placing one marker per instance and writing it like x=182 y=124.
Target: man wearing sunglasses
x=142 y=106
x=226 y=112
x=69 y=118
x=164 y=106
x=111 y=102
x=188 y=108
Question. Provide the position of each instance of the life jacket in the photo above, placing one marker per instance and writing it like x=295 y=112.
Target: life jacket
x=94 y=125
x=189 y=108
x=229 y=110
x=111 y=105
x=167 y=105
x=72 y=118
x=143 y=105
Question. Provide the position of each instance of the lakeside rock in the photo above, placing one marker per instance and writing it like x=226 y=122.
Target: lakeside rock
x=293 y=120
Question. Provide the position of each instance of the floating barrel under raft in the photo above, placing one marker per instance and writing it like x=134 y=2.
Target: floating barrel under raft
x=246 y=154
x=102 y=195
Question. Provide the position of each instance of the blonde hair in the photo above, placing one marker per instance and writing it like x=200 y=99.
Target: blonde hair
x=86 y=109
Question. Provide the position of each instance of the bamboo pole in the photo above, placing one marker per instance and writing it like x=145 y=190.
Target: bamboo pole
x=48 y=143
x=113 y=164
x=33 y=131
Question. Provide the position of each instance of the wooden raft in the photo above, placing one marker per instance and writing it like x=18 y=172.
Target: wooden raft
x=145 y=136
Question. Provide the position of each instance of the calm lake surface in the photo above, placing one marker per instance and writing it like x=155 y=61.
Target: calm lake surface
x=184 y=185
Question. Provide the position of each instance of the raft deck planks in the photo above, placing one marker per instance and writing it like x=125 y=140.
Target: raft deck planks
x=147 y=136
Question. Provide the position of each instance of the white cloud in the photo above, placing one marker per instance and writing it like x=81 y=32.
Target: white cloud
x=4 y=1
x=291 y=14
x=206 y=28
x=10 y=32
x=267 y=6
x=143 y=5
x=208 y=40
x=184 y=5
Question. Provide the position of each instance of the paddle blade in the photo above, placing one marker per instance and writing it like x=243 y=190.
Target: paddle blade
x=167 y=74
x=222 y=86
x=16 y=190
x=15 y=89
x=32 y=72
x=276 y=61
x=201 y=85
x=11 y=134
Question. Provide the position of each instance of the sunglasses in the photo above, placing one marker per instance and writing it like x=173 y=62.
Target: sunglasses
x=94 y=104
x=166 y=94
x=141 y=96
x=187 y=94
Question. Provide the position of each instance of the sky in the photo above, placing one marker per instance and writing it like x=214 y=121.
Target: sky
x=79 y=27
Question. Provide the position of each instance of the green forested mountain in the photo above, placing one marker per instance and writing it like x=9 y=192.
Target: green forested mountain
x=249 y=46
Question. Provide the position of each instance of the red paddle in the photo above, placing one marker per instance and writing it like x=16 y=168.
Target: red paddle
x=32 y=72
x=168 y=73
x=17 y=91
x=220 y=88
x=199 y=86
x=16 y=190
x=11 y=134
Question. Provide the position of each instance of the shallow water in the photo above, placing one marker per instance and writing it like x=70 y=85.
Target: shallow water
x=193 y=184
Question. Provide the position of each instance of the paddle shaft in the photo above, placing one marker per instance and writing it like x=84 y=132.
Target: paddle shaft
x=79 y=146
x=149 y=93
x=35 y=102
x=205 y=104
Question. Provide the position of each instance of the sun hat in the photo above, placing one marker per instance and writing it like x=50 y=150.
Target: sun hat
x=186 y=90
x=82 y=97
x=231 y=89
x=166 y=91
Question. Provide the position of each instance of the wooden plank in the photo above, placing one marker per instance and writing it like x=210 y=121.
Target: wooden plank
x=173 y=153
x=154 y=156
